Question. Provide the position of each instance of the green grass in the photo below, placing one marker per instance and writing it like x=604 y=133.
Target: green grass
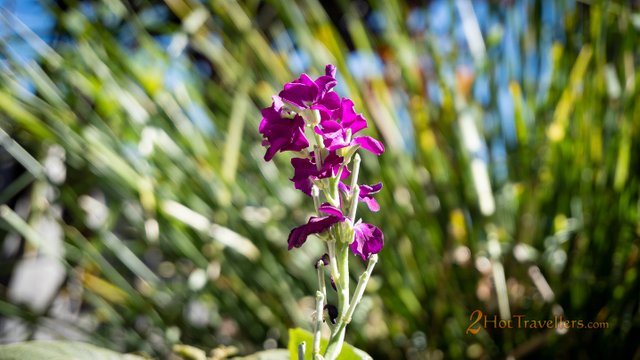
x=163 y=142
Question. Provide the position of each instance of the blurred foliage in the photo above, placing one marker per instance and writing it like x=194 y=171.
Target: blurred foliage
x=60 y=350
x=511 y=172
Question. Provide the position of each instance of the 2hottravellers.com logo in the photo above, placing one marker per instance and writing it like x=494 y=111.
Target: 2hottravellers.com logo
x=479 y=320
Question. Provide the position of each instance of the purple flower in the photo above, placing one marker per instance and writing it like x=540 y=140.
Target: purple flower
x=348 y=116
x=283 y=129
x=368 y=240
x=316 y=225
x=306 y=170
x=305 y=93
x=369 y=143
x=335 y=135
x=365 y=194
x=281 y=133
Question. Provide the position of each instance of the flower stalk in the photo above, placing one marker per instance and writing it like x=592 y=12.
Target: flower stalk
x=336 y=339
x=311 y=106
x=362 y=284
x=318 y=326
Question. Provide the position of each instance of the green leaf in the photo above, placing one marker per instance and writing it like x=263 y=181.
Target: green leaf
x=274 y=354
x=298 y=335
x=59 y=350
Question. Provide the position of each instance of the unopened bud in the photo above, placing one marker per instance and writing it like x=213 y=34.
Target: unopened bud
x=323 y=261
x=332 y=312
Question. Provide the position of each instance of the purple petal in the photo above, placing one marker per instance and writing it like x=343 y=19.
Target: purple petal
x=303 y=168
x=277 y=103
x=372 y=204
x=335 y=140
x=273 y=148
x=330 y=100
x=330 y=165
x=328 y=126
x=368 y=240
x=366 y=192
x=325 y=83
x=303 y=171
x=304 y=79
x=333 y=135
x=327 y=105
x=299 y=94
x=370 y=189
x=349 y=118
x=335 y=143
x=345 y=173
x=331 y=210
x=330 y=70
x=263 y=125
x=298 y=141
x=343 y=187
x=316 y=225
x=370 y=144
x=269 y=115
x=281 y=134
x=304 y=185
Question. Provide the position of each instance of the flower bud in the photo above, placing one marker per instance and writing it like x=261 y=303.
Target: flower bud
x=332 y=312
x=324 y=259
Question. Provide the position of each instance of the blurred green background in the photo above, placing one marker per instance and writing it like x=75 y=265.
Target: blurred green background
x=137 y=211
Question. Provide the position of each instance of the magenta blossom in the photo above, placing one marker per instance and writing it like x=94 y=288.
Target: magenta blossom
x=313 y=103
x=335 y=131
x=281 y=133
x=306 y=170
x=316 y=225
x=365 y=194
x=368 y=240
x=311 y=107
x=305 y=93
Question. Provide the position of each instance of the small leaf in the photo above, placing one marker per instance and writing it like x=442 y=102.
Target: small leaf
x=298 y=335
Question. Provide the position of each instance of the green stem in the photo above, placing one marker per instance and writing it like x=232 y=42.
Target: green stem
x=333 y=263
x=321 y=282
x=342 y=257
x=318 y=326
x=343 y=267
x=339 y=330
x=334 y=188
x=335 y=344
x=362 y=284
x=337 y=337
x=355 y=194
x=331 y=192
x=315 y=194
x=356 y=171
